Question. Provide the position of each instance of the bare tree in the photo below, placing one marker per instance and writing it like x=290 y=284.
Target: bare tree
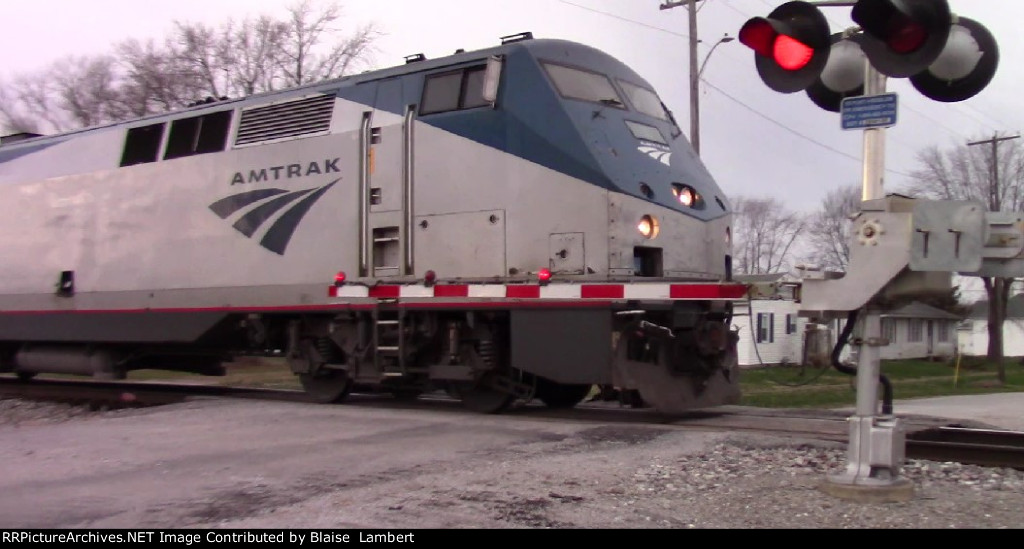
x=13 y=115
x=154 y=79
x=764 y=233
x=969 y=173
x=195 y=61
x=828 y=229
x=257 y=45
x=304 y=56
x=29 y=104
x=207 y=53
x=87 y=89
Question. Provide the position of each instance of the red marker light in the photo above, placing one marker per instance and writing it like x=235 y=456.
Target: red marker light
x=544 y=275
x=430 y=277
x=792 y=54
x=907 y=37
x=339 y=279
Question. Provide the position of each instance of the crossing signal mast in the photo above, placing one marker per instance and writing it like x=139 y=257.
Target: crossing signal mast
x=899 y=246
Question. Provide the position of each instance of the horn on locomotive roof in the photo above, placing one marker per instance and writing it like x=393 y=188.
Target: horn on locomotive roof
x=516 y=37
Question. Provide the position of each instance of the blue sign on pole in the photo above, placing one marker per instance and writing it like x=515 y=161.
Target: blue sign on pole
x=869 y=111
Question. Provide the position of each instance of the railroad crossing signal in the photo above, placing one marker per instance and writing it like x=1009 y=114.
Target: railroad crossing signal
x=792 y=45
x=948 y=58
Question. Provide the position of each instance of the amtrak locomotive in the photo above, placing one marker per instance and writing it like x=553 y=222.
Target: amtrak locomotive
x=520 y=222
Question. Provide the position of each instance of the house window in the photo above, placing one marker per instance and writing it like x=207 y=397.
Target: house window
x=915 y=333
x=452 y=91
x=765 y=327
x=889 y=329
x=790 y=324
x=943 y=328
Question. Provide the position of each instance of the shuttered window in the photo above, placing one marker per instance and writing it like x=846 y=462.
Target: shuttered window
x=766 y=328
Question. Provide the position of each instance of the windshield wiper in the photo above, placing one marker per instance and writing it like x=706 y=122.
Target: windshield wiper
x=612 y=102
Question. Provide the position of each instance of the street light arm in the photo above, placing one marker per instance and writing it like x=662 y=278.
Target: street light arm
x=721 y=41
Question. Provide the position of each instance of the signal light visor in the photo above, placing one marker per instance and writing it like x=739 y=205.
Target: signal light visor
x=759 y=35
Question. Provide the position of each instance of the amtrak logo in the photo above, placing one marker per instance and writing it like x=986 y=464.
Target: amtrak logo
x=659 y=154
x=262 y=205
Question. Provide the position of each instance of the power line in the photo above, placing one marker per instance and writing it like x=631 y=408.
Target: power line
x=792 y=131
x=625 y=19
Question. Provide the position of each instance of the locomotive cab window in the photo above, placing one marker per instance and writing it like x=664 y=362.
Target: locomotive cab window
x=198 y=135
x=645 y=101
x=573 y=83
x=453 y=91
x=643 y=132
x=142 y=145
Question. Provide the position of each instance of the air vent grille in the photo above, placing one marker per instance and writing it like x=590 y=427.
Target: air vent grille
x=306 y=116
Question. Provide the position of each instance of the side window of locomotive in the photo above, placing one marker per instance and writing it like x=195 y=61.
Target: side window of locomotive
x=643 y=132
x=453 y=91
x=474 y=93
x=198 y=135
x=574 y=83
x=142 y=145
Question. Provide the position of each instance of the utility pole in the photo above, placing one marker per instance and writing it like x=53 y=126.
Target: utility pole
x=995 y=204
x=998 y=287
x=694 y=74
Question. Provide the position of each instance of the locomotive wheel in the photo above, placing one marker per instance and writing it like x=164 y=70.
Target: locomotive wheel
x=481 y=397
x=561 y=395
x=328 y=387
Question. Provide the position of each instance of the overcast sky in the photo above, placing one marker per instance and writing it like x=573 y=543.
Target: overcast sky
x=754 y=141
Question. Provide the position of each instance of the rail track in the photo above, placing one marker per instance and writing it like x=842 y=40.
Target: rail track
x=927 y=438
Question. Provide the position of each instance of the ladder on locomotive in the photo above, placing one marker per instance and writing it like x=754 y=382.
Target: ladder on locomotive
x=389 y=339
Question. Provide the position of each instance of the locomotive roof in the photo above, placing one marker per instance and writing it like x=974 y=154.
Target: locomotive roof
x=412 y=67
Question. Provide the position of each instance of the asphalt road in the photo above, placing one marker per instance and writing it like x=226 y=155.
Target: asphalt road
x=214 y=461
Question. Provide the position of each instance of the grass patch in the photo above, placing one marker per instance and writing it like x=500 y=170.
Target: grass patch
x=791 y=387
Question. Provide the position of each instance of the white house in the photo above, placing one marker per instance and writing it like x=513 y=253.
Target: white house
x=973 y=332
x=919 y=331
x=770 y=330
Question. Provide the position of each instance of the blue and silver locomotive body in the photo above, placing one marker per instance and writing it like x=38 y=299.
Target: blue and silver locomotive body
x=517 y=222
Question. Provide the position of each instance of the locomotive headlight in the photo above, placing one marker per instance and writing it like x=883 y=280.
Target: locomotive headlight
x=687 y=196
x=648 y=226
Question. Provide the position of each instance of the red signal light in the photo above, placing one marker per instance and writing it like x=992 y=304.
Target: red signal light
x=544 y=275
x=430 y=277
x=903 y=37
x=792 y=54
x=791 y=45
x=339 y=279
